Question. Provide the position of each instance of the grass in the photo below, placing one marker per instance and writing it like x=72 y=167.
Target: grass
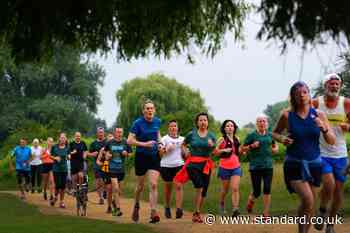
x=282 y=202
x=18 y=217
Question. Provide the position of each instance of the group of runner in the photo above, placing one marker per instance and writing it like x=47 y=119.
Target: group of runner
x=311 y=129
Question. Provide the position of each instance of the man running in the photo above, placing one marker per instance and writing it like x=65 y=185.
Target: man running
x=22 y=153
x=77 y=155
x=116 y=151
x=334 y=157
x=94 y=150
x=145 y=135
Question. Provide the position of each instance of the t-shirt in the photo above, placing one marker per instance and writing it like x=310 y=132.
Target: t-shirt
x=198 y=146
x=146 y=131
x=172 y=158
x=36 y=152
x=62 y=153
x=22 y=155
x=261 y=157
x=96 y=146
x=116 y=163
x=78 y=157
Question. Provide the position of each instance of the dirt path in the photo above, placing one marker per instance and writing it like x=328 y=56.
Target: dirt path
x=96 y=211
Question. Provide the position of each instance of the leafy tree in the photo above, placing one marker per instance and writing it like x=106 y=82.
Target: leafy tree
x=308 y=21
x=62 y=93
x=135 y=28
x=344 y=74
x=172 y=100
x=274 y=112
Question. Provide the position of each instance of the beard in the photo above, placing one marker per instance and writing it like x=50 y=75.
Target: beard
x=332 y=93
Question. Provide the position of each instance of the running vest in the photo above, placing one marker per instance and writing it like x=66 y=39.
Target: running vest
x=335 y=116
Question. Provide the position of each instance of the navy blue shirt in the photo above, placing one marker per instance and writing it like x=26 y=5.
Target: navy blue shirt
x=146 y=131
x=305 y=134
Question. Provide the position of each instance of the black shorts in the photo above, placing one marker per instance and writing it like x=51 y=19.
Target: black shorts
x=168 y=173
x=145 y=162
x=76 y=168
x=107 y=177
x=46 y=168
x=60 y=180
x=294 y=170
x=22 y=175
x=199 y=179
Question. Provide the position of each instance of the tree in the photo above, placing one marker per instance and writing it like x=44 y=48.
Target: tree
x=136 y=28
x=62 y=93
x=344 y=74
x=274 y=112
x=172 y=100
x=311 y=21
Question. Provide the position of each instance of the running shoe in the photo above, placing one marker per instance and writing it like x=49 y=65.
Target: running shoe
x=330 y=229
x=235 y=212
x=179 y=213
x=45 y=196
x=167 y=212
x=321 y=214
x=154 y=218
x=250 y=206
x=119 y=212
x=135 y=213
x=222 y=210
x=62 y=205
x=109 y=210
x=196 y=218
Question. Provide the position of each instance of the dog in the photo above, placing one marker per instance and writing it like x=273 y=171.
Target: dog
x=82 y=199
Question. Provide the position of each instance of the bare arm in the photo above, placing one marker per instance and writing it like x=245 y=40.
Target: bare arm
x=326 y=130
x=282 y=125
x=133 y=142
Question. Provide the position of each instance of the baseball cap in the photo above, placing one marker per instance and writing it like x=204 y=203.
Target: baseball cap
x=331 y=76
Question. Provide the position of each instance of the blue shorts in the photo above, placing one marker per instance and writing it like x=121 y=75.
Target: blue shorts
x=337 y=166
x=225 y=174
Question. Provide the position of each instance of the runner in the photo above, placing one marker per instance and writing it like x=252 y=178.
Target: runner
x=77 y=155
x=46 y=169
x=229 y=167
x=145 y=135
x=170 y=164
x=116 y=151
x=302 y=166
x=94 y=150
x=334 y=157
x=35 y=166
x=260 y=147
x=59 y=153
x=198 y=165
x=22 y=153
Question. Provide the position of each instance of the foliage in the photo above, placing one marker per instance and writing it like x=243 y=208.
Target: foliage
x=274 y=112
x=311 y=21
x=62 y=93
x=135 y=28
x=344 y=74
x=172 y=100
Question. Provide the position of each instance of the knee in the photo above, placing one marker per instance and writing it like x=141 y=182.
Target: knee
x=140 y=187
x=235 y=189
x=308 y=204
x=153 y=186
x=178 y=187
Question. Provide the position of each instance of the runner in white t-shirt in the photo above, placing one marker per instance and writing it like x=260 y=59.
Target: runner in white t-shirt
x=170 y=164
x=35 y=166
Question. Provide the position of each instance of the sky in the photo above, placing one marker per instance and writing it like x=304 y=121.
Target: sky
x=238 y=83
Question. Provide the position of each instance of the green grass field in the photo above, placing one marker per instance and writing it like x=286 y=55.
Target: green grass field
x=282 y=201
x=19 y=217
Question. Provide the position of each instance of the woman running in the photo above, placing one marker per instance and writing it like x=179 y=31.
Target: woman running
x=59 y=153
x=229 y=167
x=170 y=164
x=198 y=166
x=260 y=147
x=35 y=166
x=145 y=135
x=302 y=166
x=46 y=170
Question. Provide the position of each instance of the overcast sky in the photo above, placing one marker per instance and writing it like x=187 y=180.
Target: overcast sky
x=237 y=83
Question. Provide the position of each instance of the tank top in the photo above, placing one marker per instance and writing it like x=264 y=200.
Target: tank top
x=306 y=135
x=231 y=162
x=335 y=116
x=45 y=157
